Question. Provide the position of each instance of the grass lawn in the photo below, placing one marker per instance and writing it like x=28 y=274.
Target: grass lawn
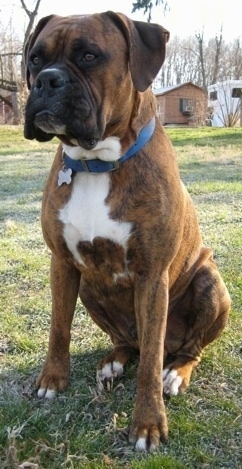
x=85 y=427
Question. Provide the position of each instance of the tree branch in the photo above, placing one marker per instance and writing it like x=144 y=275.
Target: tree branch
x=6 y=101
x=8 y=85
x=11 y=54
x=147 y=6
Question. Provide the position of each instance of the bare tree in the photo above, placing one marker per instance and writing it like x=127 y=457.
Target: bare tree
x=236 y=49
x=12 y=73
x=200 y=39
x=10 y=53
x=31 y=16
x=218 y=50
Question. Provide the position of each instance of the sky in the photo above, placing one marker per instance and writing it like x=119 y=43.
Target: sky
x=184 y=18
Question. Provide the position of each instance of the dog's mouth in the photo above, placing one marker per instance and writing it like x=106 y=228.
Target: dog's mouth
x=73 y=141
x=47 y=124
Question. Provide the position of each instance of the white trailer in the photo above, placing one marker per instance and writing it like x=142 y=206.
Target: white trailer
x=224 y=102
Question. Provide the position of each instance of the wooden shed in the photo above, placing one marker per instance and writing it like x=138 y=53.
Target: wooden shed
x=184 y=104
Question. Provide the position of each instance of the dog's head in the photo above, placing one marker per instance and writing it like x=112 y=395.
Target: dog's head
x=84 y=72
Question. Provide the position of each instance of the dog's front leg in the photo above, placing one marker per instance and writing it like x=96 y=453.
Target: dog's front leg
x=149 y=425
x=65 y=282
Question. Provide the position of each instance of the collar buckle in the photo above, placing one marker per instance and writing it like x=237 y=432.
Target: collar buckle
x=115 y=165
x=112 y=165
x=85 y=166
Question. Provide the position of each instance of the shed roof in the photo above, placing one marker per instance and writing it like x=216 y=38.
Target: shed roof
x=168 y=89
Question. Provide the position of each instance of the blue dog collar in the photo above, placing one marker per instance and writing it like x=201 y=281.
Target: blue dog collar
x=99 y=166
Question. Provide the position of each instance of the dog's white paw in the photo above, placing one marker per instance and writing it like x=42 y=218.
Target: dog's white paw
x=108 y=372
x=171 y=382
x=44 y=393
x=141 y=444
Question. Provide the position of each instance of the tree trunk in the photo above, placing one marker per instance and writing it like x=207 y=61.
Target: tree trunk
x=201 y=58
x=218 y=42
x=15 y=108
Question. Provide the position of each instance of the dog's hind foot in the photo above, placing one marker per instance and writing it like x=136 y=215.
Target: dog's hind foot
x=112 y=366
x=107 y=373
x=176 y=375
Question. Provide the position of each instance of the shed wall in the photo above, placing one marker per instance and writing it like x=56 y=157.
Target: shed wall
x=168 y=105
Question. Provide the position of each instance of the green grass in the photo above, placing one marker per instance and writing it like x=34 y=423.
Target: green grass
x=84 y=427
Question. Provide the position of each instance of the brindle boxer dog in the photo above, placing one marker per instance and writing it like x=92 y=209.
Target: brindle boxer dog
x=121 y=226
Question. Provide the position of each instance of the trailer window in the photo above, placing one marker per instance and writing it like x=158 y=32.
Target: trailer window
x=213 y=95
x=236 y=92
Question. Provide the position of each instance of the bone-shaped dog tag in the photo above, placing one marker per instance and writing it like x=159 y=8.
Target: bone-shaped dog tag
x=64 y=176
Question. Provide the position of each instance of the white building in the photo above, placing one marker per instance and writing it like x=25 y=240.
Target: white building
x=224 y=101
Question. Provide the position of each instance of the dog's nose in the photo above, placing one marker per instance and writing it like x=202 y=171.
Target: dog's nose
x=49 y=80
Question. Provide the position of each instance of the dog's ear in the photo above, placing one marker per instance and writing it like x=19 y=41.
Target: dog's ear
x=147 y=48
x=30 y=42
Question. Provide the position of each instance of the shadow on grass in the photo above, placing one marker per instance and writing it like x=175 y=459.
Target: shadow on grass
x=84 y=421
x=20 y=381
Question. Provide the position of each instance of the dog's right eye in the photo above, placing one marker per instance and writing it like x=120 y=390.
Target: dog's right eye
x=35 y=60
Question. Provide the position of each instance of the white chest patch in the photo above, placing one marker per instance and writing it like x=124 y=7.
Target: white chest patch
x=86 y=215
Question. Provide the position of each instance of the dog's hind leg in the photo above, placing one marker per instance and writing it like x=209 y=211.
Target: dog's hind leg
x=121 y=329
x=197 y=319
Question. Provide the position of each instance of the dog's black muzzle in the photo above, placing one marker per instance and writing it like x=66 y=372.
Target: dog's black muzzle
x=59 y=106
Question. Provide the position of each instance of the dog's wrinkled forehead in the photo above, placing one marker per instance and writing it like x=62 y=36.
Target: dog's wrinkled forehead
x=67 y=33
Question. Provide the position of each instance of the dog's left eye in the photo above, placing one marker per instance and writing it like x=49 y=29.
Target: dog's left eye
x=88 y=57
